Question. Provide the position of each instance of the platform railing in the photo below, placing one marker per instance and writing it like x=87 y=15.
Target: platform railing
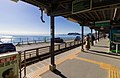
x=35 y=54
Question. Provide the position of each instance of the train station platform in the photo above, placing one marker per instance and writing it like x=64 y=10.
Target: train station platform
x=94 y=63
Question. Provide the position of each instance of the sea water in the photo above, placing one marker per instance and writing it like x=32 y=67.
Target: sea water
x=15 y=39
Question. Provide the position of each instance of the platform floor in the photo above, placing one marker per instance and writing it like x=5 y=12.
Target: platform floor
x=95 y=63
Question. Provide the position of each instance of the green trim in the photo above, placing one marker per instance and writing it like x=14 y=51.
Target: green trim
x=114 y=51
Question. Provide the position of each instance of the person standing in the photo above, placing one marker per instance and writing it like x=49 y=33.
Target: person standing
x=92 y=40
x=87 y=42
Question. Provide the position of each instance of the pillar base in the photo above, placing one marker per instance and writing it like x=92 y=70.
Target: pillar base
x=52 y=67
x=82 y=50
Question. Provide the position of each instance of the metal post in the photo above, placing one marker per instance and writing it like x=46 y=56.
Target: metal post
x=11 y=40
x=27 y=41
x=52 y=66
x=82 y=38
x=98 y=35
x=91 y=37
x=20 y=40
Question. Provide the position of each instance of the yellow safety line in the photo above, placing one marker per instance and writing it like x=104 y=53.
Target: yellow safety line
x=113 y=71
x=44 y=69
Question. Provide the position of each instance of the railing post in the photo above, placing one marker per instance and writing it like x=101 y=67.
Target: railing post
x=27 y=41
x=77 y=42
x=65 y=45
x=37 y=52
x=24 y=64
x=35 y=41
x=74 y=42
x=22 y=42
x=59 y=47
x=70 y=44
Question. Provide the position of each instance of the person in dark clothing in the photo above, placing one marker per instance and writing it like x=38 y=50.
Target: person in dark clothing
x=93 y=39
x=104 y=36
x=87 y=42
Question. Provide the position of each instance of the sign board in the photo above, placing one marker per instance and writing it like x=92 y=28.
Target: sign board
x=103 y=23
x=9 y=65
x=101 y=3
x=80 y=6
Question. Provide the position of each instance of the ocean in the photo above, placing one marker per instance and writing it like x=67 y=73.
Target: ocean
x=15 y=39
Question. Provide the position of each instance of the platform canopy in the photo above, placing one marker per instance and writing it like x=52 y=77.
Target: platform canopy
x=96 y=14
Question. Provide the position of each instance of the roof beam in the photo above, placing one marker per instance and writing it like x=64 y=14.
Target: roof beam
x=36 y=3
x=97 y=15
x=92 y=15
x=115 y=11
x=86 y=15
x=111 y=14
x=104 y=14
x=83 y=16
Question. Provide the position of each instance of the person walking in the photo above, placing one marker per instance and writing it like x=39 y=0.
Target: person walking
x=87 y=42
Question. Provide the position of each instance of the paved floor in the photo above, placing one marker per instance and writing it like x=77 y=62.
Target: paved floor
x=95 y=63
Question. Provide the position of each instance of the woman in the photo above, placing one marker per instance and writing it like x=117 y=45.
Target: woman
x=87 y=42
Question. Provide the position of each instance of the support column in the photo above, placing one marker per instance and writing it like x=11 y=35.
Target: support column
x=52 y=66
x=98 y=35
x=91 y=37
x=82 y=49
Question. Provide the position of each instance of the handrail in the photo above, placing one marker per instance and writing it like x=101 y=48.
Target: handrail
x=24 y=59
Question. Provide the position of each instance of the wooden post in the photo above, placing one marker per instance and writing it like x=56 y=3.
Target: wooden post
x=37 y=52
x=52 y=66
x=20 y=64
x=24 y=64
x=82 y=38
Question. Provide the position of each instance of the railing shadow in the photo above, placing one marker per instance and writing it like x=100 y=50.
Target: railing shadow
x=101 y=54
x=101 y=46
x=57 y=72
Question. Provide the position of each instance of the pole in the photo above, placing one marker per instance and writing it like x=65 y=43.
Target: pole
x=91 y=37
x=82 y=38
x=98 y=35
x=52 y=66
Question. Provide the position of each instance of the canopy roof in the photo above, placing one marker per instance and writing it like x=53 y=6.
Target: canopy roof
x=99 y=10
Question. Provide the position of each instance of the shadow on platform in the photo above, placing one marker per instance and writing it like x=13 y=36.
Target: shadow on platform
x=101 y=46
x=57 y=72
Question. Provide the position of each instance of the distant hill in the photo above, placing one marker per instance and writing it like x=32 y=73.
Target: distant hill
x=73 y=34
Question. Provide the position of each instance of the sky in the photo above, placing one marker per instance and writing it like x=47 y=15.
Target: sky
x=24 y=19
